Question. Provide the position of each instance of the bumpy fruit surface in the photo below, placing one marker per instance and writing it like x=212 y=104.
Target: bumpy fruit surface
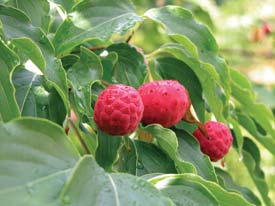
x=165 y=102
x=118 y=110
x=219 y=140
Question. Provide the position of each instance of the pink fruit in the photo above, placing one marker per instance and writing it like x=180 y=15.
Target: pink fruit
x=218 y=142
x=118 y=110
x=165 y=102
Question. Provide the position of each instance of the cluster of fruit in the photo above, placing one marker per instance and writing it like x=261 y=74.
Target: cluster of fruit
x=120 y=108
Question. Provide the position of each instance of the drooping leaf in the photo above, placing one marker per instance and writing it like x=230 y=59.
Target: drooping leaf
x=252 y=160
x=89 y=185
x=223 y=197
x=8 y=106
x=199 y=13
x=139 y=191
x=189 y=150
x=266 y=140
x=197 y=34
x=129 y=68
x=82 y=74
x=152 y=160
x=167 y=141
x=31 y=51
x=184 y=192
x=237 y=134
x=32 y=149
x=107 y=150
x=41 y=192
x=95 y=20
x=226 y=181
x=251 y=110
x=128 y=159
x=108 y=63
x=35 y=98
x=54 y=72
x=37 y=10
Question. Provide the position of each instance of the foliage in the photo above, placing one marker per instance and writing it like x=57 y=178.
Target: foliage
x=57 y=56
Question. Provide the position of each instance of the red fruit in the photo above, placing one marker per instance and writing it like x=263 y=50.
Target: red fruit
x=219 y=140
x=165 y=102
x=266 y=28
x=118 y=110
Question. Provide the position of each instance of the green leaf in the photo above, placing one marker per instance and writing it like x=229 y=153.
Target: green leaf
x=199 y=13
x=173 y=16
x=128 y=159
x=184 y=192
x=27 y=47
x=152 y=160
x=37 y=10
x=139 y=191
x=171 y=68
x=258 y=111
x=223 y=197
x=89 y=136
x=251 y=159
x=108 y=64
x=35 y=98
x=107 y=150
x=42 y=192
x=32 y=149
x=230 y=185
x=66 y=4
x=95 y=20
x=167 y=141
x=189 y=150
x=54 y=72
x=251 y=110
x=206 y=74
x=89 y=185
x=8 y=106
x=130 y=68
x=82 y=74
x=69 y=60
x=266 y=140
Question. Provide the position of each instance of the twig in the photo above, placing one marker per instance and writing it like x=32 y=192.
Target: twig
x=83 y=144
x=91 y=49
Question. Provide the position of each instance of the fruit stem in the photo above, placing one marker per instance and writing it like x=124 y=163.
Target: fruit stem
x=104 y=83
x=151 y=79
x=127 y=143
x=83 y=144
x=130 y=37
x=191 y=117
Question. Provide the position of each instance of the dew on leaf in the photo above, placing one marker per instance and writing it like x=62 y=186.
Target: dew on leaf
x=66 y=199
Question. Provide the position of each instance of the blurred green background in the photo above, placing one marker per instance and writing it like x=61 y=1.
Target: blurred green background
x=245 y=32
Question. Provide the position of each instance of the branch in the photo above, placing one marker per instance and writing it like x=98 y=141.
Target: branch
x=83 y=144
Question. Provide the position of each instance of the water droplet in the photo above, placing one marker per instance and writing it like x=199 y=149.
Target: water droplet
x=140 y=165
x=30 y=189
x=240 y=157
x=134 y=203
x=142 y=183
x=135 y=187
x=66 y=199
